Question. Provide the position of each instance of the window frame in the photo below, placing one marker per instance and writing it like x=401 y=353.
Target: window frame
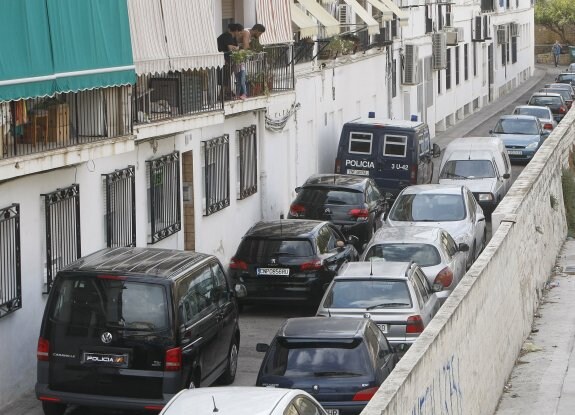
x=120 y=193
x=247 y=166
x=384 y=145
x=352 y=139
x=11 y=266
x=216 y=168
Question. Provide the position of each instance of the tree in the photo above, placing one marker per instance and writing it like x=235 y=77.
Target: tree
x=556 y=15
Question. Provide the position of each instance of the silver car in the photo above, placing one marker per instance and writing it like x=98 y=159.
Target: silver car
x=543 y=113
x=433 y=249
x=395 y=295
x=451 y=207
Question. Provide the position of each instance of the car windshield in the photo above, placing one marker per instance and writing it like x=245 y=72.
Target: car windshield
x=467 y=169
x=88 y=302
x=516 y=126
x=426 y=207
x=566 y=77
x=368 y=293
x=425 y=255
x=317 y=359
x=256 y=250
x=536 y=112
x=326 y=196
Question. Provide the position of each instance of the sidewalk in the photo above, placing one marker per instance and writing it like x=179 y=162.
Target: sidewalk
x=543 y=380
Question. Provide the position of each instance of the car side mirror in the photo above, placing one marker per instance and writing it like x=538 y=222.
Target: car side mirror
x=480 y=218
x=437 y=287
x=297 y=189
x=506 y=176
x=463 y=247
x=382 y=353
x=436 y=150
x=262 y=347
x=490 y=131
x=400 y=348
x=241 y=290
x=352 y=239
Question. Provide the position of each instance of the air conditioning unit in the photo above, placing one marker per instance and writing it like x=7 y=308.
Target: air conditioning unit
x=477 y=29
x=486 y=27
x=454 y=35
x=345 y=14
x=410 y=66
x=501 y=34
x=514 y=30
x=439 y=50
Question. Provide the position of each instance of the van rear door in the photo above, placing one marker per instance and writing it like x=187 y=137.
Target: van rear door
x=395 y=162
x=357 y=154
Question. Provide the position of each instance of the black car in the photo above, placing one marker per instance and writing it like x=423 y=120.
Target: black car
x=566 y=94
x=289 y=260
x=341 y=361
x=128 y=328
x=553 y=101
x=351 y=202
x=566 y=78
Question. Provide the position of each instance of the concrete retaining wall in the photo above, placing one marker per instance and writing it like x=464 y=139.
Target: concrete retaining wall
x=463 y=359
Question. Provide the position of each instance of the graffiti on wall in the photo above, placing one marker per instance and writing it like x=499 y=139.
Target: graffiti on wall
x=443 y=396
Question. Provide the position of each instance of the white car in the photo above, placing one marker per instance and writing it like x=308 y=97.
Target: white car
x=450 y=207
x=441 y=259
x=242 y=400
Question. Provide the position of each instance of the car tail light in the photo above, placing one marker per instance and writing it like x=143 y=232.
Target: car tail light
x=547 y=126
x=365 y=394
x=312 y=265
x=297 y=211
x=414 y=324
x=562 y=109
x=359 y=214
x=154 y=408
x=445 y=277
x=43 y=351
x=413 y=174
x=48 y=399
x=337 y=166
x=238 y=264
x=173 y=359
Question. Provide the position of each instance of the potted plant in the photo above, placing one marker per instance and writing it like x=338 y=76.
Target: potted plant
x=260 y=83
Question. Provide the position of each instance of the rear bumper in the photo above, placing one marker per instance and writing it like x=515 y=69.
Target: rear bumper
x=525 y=155
x=344 y=408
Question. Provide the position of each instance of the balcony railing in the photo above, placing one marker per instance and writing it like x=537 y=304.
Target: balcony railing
x=40 y=124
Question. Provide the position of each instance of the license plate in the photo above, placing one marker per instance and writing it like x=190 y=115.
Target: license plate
x=105 y=359
x=332 y=411
x=382 y=327
x=284 y=272
x=358 y=173
x=514 y=152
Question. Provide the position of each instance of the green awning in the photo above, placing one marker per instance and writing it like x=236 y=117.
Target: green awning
x=63 y=46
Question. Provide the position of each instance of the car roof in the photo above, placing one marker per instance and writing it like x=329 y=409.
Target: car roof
x=540 y=107
x=475 y=144
x=322 y=328
x=163 y=263
x=558 y=85
x=347 y=181
x=406 y=234
x=546 y=94
x=237 y=400
x=450 y=189
x=374 y=270
x=386 y=123
x=471 y=154
x=285 y=228
x=521 y=117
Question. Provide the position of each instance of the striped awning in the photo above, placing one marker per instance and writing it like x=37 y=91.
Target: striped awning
x=329 y=22
x=401 y=15
x=173 y=35
x=372 y=24
x=386 y=13
x=275 y=15
x=307 y=27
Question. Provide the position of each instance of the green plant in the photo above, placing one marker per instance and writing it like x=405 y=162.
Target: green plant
x=239 y=56
x=568 y=184
x=260 y=82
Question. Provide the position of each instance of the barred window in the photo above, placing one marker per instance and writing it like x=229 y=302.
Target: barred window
x=247 y=162
x=164 y=213
x=120 y=217
x=216 y=164
x=63 y=242
x=10 y=277
x=448 y=70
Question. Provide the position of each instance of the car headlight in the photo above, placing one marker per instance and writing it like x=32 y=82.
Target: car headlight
x=485 y=197
x=532 y=146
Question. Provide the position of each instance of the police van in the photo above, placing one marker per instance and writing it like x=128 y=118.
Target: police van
x=395 y=153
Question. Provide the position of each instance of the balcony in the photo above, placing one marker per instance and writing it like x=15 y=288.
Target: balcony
x=42 y=124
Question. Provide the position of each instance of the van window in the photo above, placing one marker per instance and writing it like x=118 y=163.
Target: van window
x=360 y=143
x=424 y=142
x=198 y=296
x=395 y=146
x=504 y=155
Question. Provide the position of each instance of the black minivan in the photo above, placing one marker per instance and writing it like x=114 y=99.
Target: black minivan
x=395 y=153
x=128 y=328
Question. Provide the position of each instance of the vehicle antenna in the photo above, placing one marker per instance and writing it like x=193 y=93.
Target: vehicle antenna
x=215 y=407
x=371 y=267
x=328 y=312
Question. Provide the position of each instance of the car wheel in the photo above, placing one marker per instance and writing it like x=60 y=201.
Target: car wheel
x=53 y=408
x=230 y=374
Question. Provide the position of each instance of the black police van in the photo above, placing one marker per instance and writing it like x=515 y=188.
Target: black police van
x=395 y=153
x=128 y=328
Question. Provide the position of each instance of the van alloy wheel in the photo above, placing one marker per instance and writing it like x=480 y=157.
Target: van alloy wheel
x=230 y=373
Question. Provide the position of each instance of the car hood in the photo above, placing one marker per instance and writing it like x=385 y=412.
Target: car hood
x=518 y=139
x=485 y=185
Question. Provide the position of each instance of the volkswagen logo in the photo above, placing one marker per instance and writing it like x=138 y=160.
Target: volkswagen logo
x=315 y=388
x=327 y=211
x=273 y=261
x=367 y=315
x=106 y=337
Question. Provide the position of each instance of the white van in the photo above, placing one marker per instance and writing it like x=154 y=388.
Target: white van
x=481 y=164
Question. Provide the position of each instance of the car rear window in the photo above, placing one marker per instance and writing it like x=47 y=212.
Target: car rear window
x=255 y=250
x=325 y=196
x=318 y=360
x=425 y=255
x=566 y=77
x=563 y=92
x=379 y=294
x=360 y=143
x=536 y=112
x=545 y=101
x=467 y=169
x=395 y=145
x=425 y=207
x=516 y=126
x=103 y=302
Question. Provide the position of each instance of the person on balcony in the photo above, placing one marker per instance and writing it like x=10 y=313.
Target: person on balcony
x=247 y=39
x=227 y=43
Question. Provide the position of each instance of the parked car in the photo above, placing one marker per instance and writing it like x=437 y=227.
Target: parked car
x=566 y=78
x=521 y=134
x=243 y=400
x=565 y=93
x=555 y=103
x=568 y=87
x=128 y=328
x=441 y=259
x=395 y=295
x=571 y=68
x=394 y=153
x=289 y=260
x=543 y=113
x=452 y=208
x=353 y=203
x=341 y=361
x=480 y=163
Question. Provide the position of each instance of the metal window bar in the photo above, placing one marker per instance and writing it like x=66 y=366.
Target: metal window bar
x=63 y=242
x=216 y=173
x=41 y=124
x=165 y=211
x=120 y=207
x=10 y=264
x=248 y=161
